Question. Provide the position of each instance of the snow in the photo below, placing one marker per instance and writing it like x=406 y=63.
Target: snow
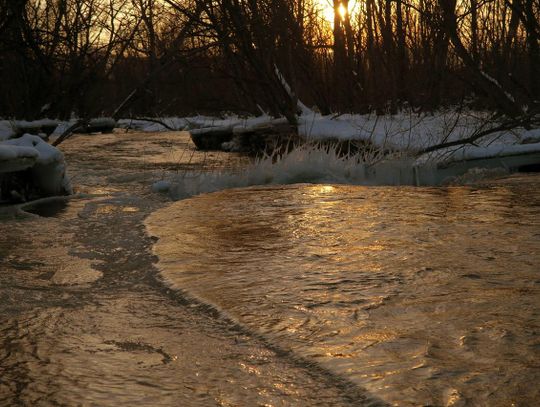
x=47 y=154
x=412 y=133
x=392 y=159
x=470 y=152
x=498 y=85
x=48 y=166
x=301 y=107
x=36 y=123
x=12 y=128
x=12 y=152
x=409 y=132
x=6 y=130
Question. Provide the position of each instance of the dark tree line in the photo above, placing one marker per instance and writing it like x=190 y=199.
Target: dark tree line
x=157 y=57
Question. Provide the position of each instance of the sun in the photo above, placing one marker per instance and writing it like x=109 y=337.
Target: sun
x=327 y=8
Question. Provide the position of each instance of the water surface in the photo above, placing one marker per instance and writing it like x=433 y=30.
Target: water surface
x=306 y=295
x=425 y=296
x=84 y=319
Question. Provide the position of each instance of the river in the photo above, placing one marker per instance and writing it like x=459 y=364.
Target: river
x=285 y=295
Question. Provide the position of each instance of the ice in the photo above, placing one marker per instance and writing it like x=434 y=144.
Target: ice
x=304 y=164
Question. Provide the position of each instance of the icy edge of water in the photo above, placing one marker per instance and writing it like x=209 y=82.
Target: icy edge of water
x=319 y=164
x=314 y=164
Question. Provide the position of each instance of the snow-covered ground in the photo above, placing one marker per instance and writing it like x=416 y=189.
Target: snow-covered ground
x=392 y=159
x=405 y=132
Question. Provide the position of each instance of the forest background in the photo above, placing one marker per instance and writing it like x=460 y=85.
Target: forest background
x=60 y=58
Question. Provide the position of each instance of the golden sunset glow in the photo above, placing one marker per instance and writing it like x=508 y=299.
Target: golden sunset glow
x=327 y=7
x=342 y=11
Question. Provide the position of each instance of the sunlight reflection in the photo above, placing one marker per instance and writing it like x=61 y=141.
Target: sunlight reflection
x=378 y=284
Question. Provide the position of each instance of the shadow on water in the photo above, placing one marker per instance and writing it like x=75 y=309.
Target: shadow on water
x=47 y=208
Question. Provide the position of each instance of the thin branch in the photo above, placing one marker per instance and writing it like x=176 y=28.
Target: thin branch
x=508 y=125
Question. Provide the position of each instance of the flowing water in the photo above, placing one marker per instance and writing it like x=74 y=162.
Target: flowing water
x=421 y=295
x=284 y=295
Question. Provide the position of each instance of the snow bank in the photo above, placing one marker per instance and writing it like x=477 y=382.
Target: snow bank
x=47 y=167
x=470 y=152
x=16 y=158
x=13 y=128
x=410 y=132
x=36 y=124
x=11 y=152
x=405 y=132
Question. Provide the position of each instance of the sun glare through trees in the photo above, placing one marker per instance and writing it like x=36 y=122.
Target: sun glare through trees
x=339 y=55
x=329 y=9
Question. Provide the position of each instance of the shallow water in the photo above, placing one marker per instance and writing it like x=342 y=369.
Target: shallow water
x=302 y=295
x=424 y=296
x=84 y=319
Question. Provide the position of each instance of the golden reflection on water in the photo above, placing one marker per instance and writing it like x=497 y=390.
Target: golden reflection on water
x=389 y=286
